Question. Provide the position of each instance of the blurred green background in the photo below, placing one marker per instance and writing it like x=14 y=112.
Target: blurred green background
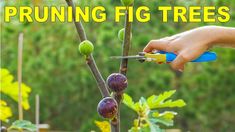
x=68 y=91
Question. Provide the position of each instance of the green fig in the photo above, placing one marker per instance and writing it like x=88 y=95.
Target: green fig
x=121 y=34
x=86 y=47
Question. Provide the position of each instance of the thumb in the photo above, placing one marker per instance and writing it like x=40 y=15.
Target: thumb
x=179 y=62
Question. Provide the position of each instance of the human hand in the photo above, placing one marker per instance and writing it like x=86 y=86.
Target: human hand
x=188 y=45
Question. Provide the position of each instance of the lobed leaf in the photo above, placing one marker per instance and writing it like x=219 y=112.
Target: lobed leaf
x=170 y=103
x=159 y=101
x=143 y=104
x=127 y=100
x=165 y=118
x=23 y=125
x=155 y=128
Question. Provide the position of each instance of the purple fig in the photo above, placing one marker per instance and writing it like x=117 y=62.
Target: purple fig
x=107 y=107
x=117 y=82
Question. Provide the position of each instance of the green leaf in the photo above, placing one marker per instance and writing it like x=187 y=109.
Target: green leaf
x=155 y=128
x=31 y=128
x=137 y=107
x=23 y=125
x=170 y=103
x=164 y=121
x=165 y=95
x=143 y=103
x=153 y=113
x=145 y=129
x=159 y=101
x=168 y=114
x=151 y=99
x=127 y=100
x=133 y=129
x=165 y=118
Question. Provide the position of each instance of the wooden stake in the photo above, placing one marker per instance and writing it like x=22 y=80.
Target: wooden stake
x=20 y=52
x=37 y=111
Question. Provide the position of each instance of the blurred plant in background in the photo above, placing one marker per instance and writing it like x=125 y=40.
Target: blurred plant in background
x=5 y=112
x=10 y=88
x=104 y=126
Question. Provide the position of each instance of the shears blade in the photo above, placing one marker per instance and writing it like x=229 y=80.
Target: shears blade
x=127 y=57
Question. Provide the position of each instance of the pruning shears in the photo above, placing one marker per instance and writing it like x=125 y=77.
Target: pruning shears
x=163 y=57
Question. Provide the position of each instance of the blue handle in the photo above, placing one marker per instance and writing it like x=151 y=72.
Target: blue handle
x=205 y=57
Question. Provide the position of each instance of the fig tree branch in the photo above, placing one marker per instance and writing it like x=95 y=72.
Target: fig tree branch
x=89 y=60
x=115 y=124
x=79 y=26
x=126 y=44
x=99 y=79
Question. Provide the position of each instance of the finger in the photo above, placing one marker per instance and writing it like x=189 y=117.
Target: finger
x=181 y=69
x=156 y=45
x=179 y=62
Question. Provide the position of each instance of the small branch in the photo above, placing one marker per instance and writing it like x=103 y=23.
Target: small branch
x=115 y=124
x=99 y=79
x=79 y=26
x=126 y=44
x=20 y=54
x=90 y=60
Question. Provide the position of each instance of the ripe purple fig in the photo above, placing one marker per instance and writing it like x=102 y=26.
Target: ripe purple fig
x=117 y=82
x=107 y=107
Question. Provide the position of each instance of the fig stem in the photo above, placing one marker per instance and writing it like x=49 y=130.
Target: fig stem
x=90 y=59
x=123 y=68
